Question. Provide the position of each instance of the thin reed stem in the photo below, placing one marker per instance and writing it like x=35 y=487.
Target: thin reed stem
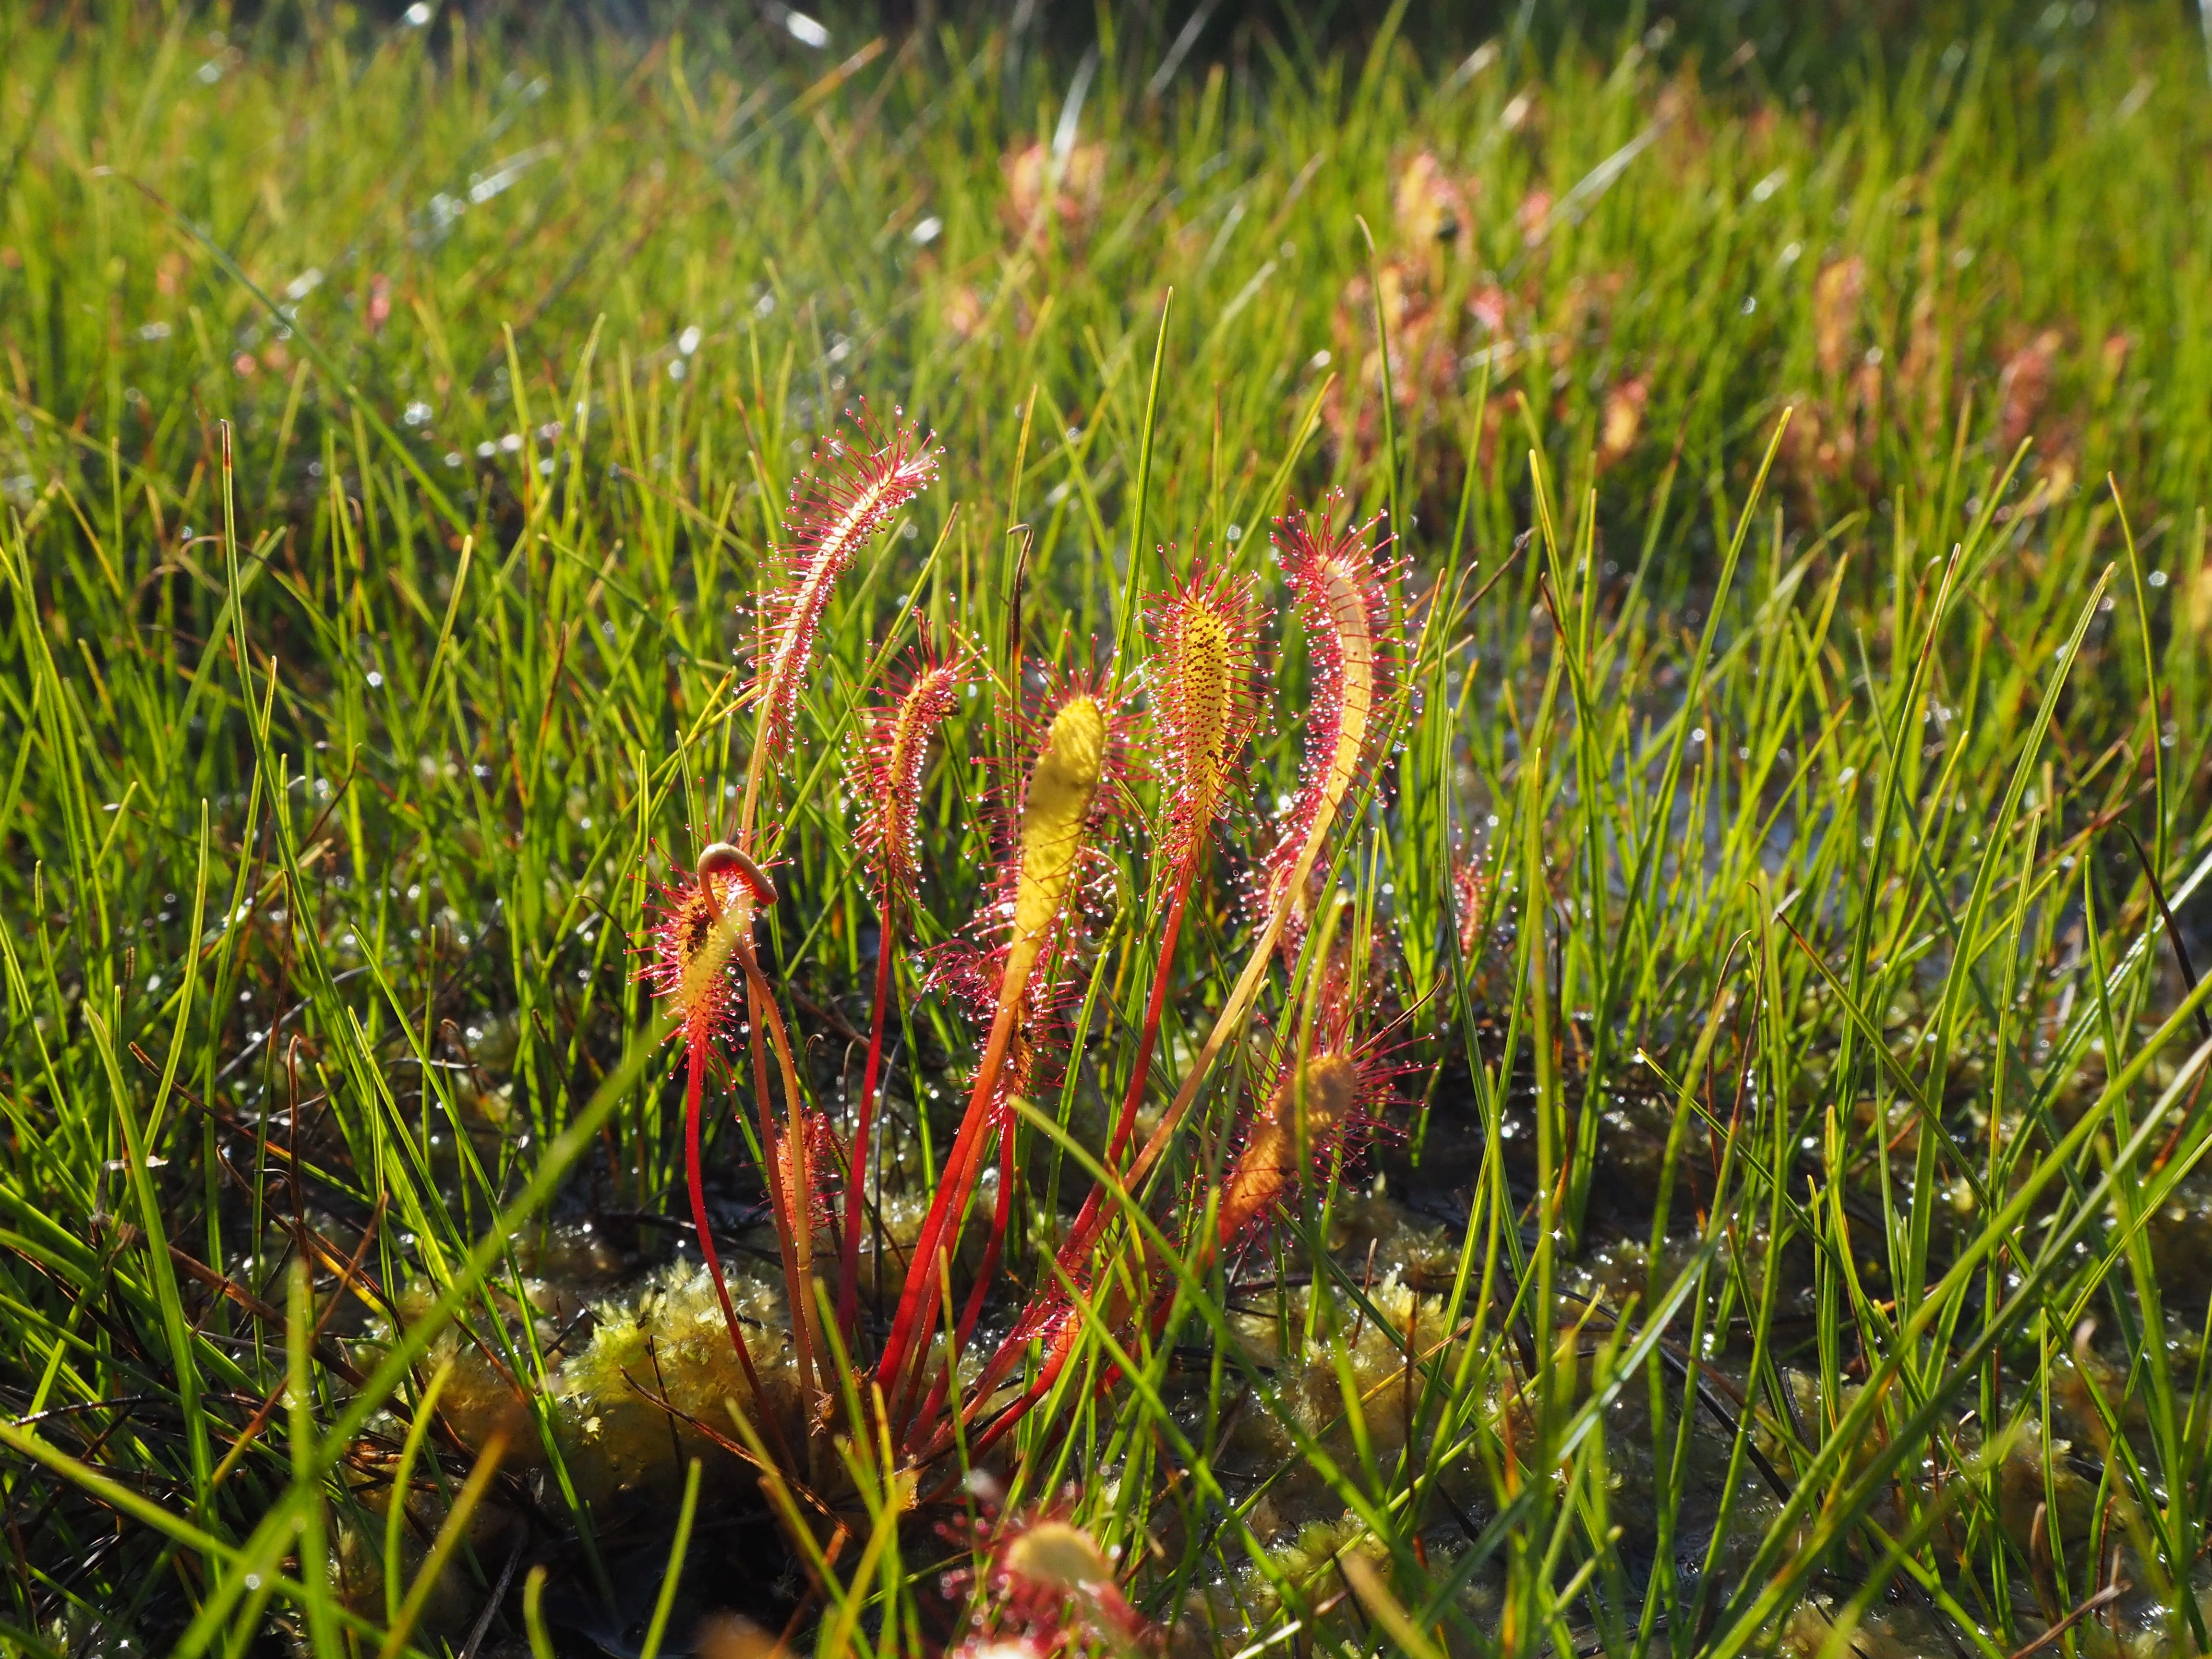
x=1140 y=1067
x=789 y=1188
x=958 y=1185
x=695 y=1089
x=863 y=1123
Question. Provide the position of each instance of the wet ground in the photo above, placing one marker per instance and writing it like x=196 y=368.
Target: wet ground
x=641 y=1375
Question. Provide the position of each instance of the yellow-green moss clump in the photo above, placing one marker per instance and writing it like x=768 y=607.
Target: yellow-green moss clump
x=658 y=1382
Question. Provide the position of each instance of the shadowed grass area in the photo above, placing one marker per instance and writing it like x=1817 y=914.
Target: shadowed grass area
x=1758 y=922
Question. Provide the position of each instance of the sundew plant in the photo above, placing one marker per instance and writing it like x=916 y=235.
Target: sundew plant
x=1200 y=831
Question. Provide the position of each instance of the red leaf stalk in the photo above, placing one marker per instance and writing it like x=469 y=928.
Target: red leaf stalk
x=1062 y=792
x=975 y=978
x=789 y=1167
x=790 y=1184
x=688 y=964
x=1204 y=705
x=1322 y=1105
x=851 y=494
x=1352 y=651
x=1343 y=608
x=888 y=784
x=1204 y=683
